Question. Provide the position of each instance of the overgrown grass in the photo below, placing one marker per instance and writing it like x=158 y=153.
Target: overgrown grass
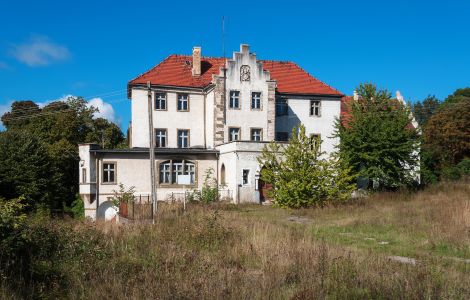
x=222 y=251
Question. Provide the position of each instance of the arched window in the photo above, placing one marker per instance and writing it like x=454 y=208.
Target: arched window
x=222 y=175
x=170 y=169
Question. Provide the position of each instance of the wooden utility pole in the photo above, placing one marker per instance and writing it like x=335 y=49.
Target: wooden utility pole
x=152 y=152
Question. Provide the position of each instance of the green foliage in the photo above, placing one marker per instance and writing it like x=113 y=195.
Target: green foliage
x=210 y=189
x=302 y=175
x=78 y=208
x=123 y=195
x=422 y=111
x=59 y=127
x=447 y=133
x=12 y=219
x=26 y=169
x=377 y=139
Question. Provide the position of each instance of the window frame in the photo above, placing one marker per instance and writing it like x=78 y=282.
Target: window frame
x=260 y=134
x=311 y=108
x=178 y=101
x=172 y=181
x=230 y=99
x=317 y=137
x=260 y=101
x=155 y=99
x=239 y=134
x=178 y=138
x=166 y=138
x=248 y=183
x=103 y=170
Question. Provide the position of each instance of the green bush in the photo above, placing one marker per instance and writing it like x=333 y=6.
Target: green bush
x=302 y=175
x=210 y=189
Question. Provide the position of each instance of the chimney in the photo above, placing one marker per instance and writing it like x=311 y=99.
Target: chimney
x=196 y=61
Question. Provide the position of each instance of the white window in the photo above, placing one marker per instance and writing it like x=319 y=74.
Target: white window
x=234 y=101
x=246 y=177
x=315 y=108
x=233 y=134
x=183 y=102
x=109 y=172
x=165 y=172
x=160 y=101
x=169 y=171
x=256 y=134
x=183 y=138
x=160 y=138
x=255 y=100
x=316 y=139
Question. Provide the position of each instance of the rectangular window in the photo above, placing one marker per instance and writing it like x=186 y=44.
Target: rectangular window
x=109 y=172
x=177 y=170
x=315 y=108
x=281 y=107
x=183 y=138
x=234 y=101
x=160 y=101
x=165 y=172
x=233 y=134
x=256 y=134
x=160 y=138
x=183 y=102
x=255 y=100
x=282 y=136
x=316 y=137
x=246 y=177
x=83 y=175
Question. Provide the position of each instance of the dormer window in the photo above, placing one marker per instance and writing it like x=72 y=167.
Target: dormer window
x=234 y=101
x=183 y=102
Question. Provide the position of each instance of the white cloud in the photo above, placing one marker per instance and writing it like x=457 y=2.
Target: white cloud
x=106 y=110
x=39 y=51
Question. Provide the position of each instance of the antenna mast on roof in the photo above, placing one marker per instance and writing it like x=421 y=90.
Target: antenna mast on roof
x=225 y=69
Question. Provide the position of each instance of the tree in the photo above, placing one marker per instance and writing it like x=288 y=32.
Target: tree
x=60 y=126
x=378 y=139
x=447 y=133
x=303 y=176
x=25 y=169
x=458 y=96
x=424 y=110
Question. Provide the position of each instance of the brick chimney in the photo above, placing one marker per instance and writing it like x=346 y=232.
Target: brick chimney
x=196 y=61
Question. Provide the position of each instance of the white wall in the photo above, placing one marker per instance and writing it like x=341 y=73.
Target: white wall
x=299 y=112
x=245 y=117
x=171 y=119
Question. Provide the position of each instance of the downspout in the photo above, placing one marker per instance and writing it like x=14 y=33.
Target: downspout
x=97 y=188
x=205 y=98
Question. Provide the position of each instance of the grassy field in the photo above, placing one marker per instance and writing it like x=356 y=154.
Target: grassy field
x=223 y=251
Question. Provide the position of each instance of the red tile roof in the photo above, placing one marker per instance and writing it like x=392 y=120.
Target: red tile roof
x=175 y=70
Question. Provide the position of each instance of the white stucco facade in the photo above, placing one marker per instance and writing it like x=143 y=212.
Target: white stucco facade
x=208 y=120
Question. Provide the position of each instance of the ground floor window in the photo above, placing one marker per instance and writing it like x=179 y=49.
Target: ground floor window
x=246 y=177
x=171 y=169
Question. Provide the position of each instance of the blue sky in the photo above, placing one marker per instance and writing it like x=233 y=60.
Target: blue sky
x=49 y=49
